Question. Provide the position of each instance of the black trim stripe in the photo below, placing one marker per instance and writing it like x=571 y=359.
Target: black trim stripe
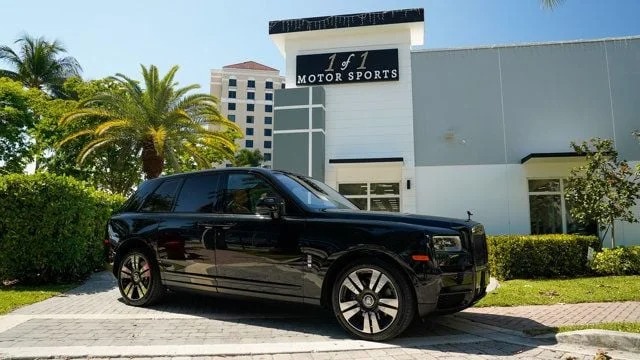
x=549 y=155
x=365 y=160
x=346 y=21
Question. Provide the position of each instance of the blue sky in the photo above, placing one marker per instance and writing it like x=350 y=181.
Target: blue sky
x=116 y=36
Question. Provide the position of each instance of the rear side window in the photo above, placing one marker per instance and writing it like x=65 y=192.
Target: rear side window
x=199 y=194
x=162 y=199
x=134 y=202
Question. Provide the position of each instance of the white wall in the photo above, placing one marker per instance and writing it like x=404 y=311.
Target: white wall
x=365 y=120
x=497 y=195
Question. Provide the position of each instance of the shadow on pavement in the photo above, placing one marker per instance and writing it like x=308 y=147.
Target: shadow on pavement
x=437 y=333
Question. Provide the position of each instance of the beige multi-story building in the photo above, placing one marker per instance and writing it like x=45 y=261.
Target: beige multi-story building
x=246 y=92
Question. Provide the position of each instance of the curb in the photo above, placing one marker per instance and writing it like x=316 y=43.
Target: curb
x=601 y=338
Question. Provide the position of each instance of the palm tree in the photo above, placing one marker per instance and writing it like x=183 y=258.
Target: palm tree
x=246 y=157
x=162 y=122
x=37 y=64
x=551 y=4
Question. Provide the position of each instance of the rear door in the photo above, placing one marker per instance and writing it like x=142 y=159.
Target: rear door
x=186 y=238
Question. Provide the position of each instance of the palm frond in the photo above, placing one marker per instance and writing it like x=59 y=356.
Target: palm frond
x=74 y=136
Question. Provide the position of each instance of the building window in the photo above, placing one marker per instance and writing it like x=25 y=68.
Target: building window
x=249 y=131
x=231 y=106
x=249 y=119
x=232 y=94
x=267 y=156
x=267 y=132
x=373 y=196
x=282 y=86
x=268 y=96
x=550 y=212
x=251 y=107
x=231 y=118
x=267 y=144
x=233 y=82
x=248 y=144
x=251 y=84
x=268 y=120
x=251 y=95
x=268 y=85
x=268 y=108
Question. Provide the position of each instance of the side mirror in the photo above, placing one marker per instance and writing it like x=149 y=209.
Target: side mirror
x=270 y=205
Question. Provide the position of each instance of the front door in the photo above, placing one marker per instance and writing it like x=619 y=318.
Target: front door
x=256 y=254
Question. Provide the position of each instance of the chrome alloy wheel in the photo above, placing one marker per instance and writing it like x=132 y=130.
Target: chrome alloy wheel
x=368 y=300
x=135 y=276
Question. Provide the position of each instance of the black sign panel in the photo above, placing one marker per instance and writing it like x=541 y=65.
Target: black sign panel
x=347 y=67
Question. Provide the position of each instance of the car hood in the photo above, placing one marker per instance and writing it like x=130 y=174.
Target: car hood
x=413 y=219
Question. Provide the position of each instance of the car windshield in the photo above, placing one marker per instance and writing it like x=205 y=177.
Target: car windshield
x=314 y=193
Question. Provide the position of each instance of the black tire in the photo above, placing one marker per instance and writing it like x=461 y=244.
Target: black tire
x=378 y=306
x=139 y=279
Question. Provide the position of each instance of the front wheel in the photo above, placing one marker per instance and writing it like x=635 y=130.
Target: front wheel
x=373 y=301
x=139 y=279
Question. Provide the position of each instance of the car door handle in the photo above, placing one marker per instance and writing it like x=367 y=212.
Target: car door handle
x=223 y=226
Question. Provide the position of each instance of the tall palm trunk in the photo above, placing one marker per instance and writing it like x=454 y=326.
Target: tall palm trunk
x=152 y=163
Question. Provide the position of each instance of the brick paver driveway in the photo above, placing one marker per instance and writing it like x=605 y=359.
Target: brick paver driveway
x=92 y=321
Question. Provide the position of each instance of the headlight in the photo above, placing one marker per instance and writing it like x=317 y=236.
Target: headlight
x=477 y=230
x=447 y=243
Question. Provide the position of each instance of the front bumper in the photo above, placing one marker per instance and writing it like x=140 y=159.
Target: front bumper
x=461 y=290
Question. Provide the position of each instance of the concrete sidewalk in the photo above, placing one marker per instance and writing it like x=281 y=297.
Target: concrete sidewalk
x=92 y=321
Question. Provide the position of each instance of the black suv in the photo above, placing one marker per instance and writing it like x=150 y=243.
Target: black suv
x=277 y=235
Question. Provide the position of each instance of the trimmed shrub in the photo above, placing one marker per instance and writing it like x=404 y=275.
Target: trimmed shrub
x=617 y=261
x=539 y=256
x=52 y=228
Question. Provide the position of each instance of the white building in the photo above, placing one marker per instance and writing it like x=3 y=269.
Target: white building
x=246 y=93
x=443 y=132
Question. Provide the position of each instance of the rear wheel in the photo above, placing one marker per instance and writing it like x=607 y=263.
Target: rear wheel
x=139 y=279
x=372 y=300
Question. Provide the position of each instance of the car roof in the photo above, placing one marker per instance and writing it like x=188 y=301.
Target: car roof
x=224 y=170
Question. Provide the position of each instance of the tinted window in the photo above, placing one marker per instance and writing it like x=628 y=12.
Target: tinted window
x=248 y=143
x=268 y=96
x=232 y=82
x=232 y=118
x=251 y=84
x=268 y=85
x=199 y=194
x=251 y=95
x=232 y=94
x=243 y=193
x=136 y=199
x=162 y=199
x=231 y=106
x=267 y=132
x=268 y=120
x=249 y=131
x=267 y=144
x=268 y=108
x=250 y=107
x=250 y=119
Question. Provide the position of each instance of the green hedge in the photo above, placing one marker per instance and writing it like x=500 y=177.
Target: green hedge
x=52 y=228
x=618 y=261
x=539 y=256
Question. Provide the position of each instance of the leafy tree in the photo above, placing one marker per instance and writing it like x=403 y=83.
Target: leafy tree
x=16 y=119
x=604 y=189
x=38 y=64
x=160 y=122
x=115 y=169
x=246 y=157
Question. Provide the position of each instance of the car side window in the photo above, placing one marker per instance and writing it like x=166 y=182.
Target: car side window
x=243 y=191
x=162 y=199
x=199 y=194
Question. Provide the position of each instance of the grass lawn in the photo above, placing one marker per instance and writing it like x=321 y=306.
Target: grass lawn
x=568 y=291
x=13 y=297
x=626 y=327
